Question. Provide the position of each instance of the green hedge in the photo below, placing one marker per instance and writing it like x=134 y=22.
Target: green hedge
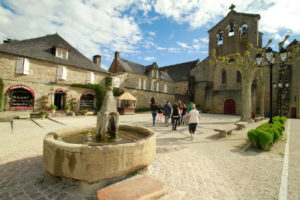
x=142 y=109
x=266 y=135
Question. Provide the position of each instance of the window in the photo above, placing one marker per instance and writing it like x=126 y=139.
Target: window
x=145 y=84
x=238 y=77
x=231 y=29
x=157 y=87
x=61 y=73
x=61 y=53
x=152 y=85
x=243 y=29
x=157 y=73
x=90 y=76
x=22 y=66
x=223 y=77
x=220 y=38
x=140 y=84
x=165 y=88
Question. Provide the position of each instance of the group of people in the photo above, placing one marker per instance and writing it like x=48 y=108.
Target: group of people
x=179 y=113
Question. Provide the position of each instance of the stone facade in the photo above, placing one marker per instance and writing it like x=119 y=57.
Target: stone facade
x=43 y=82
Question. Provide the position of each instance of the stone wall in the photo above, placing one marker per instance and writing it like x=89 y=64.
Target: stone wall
x=143 y=97
x=42 y=79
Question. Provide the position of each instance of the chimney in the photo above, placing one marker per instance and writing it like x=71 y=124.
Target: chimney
x=117 y=55
x=97 y=60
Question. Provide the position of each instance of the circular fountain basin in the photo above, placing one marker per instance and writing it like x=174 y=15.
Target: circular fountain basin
x=96 y=162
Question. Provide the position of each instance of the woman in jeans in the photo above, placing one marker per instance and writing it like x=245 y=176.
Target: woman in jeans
x=154 y=110
x=175 y=116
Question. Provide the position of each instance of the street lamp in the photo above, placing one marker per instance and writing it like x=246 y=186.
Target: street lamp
x=270 y=57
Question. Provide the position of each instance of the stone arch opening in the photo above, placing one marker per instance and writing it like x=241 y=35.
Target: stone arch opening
x=60 y=96
x=87 y=101
x=243 y=30
x=229 y=107
x=231 y=29
x=19 y=97
x=220 y=37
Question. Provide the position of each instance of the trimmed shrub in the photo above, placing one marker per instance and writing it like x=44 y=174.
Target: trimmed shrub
x=267 y=134
x=142 y=109
x=52 y=107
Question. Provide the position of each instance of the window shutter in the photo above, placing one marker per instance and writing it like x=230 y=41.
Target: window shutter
x=157 y=86
x=59 y=72
x=140 y=84
x=145 y=83
x=116 y=82
x=19 y=65
x=64 y=73
x=90 y=77
x=26 y=66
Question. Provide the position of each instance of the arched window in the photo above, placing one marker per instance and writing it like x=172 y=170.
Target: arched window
x=87 y=101
x=231 y=29
x=220 y=37
x=238 y=77
x=21 y=97
x=244 y=29
x=223 y=77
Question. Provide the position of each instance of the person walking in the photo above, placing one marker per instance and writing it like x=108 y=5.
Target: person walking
x=154 y=111
x=160 y=113
x=167 y=112
x=175 y=117
x=194 y=116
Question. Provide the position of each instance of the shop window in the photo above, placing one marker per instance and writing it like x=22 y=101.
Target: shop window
x=87 y=101
x=21 y=98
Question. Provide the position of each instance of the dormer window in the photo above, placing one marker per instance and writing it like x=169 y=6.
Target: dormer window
x=61 y=53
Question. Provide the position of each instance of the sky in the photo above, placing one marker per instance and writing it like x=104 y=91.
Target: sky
x=143 y=31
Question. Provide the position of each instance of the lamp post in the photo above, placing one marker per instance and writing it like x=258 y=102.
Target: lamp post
x=270 y=58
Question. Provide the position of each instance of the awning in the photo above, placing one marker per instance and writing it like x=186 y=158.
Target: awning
x=126 y=96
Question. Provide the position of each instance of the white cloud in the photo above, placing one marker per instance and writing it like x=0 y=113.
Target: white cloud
x=161 y=48
x=183 y=45
x=90 y=26
x=204 y=40
x=149 y=58
x=152 y=33
x=173 y=50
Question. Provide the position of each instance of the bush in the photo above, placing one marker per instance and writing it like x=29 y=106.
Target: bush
x=67 y=107
x=108 y=81
x=52 y=107
x=142 y=109
x=84 y=111
x=267 y=134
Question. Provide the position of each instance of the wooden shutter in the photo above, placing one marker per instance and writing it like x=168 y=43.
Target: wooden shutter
x=26 y=66
x=19 y=65
x=64 y=73
x=59 y=72
x=90 y=77
x=157 y=86
x=140 y=84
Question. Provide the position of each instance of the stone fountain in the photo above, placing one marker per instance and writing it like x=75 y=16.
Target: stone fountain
x=98 y=156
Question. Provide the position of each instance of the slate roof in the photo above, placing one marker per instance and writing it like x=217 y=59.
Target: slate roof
x=129 y=66
x=42 y=48
x=180 y=72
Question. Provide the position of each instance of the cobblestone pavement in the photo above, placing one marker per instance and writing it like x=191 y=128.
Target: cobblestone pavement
x=207 y=167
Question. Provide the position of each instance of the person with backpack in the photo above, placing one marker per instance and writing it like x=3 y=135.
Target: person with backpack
x=167 y=109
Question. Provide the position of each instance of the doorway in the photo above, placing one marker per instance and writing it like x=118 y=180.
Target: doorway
x=293 y=112
x=60 y=99
x=229 y=107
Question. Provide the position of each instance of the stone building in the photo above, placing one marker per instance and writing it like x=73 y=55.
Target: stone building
x=144 y=82
x=217 y=89
x=40 y=71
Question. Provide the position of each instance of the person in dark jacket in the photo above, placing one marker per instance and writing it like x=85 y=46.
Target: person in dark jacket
x=154 y=110
x=175 y=117
x=167 y=112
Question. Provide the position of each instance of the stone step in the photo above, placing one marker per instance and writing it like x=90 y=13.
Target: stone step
x=136 y=188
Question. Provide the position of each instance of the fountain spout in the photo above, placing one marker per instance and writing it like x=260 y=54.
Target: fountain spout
x=107 y=117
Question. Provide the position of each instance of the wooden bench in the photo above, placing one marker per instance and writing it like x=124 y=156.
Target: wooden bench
x=258 y=119
x=223 y=132
x=241 y=125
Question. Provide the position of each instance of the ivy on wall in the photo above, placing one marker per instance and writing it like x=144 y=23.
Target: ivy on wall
x=100 y=90
x=108 y=81
x=1 y=94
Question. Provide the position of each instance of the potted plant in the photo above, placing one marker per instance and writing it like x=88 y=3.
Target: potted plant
x=43 y=114
x=67 y=108
x=85 y=112
x=53 y=108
